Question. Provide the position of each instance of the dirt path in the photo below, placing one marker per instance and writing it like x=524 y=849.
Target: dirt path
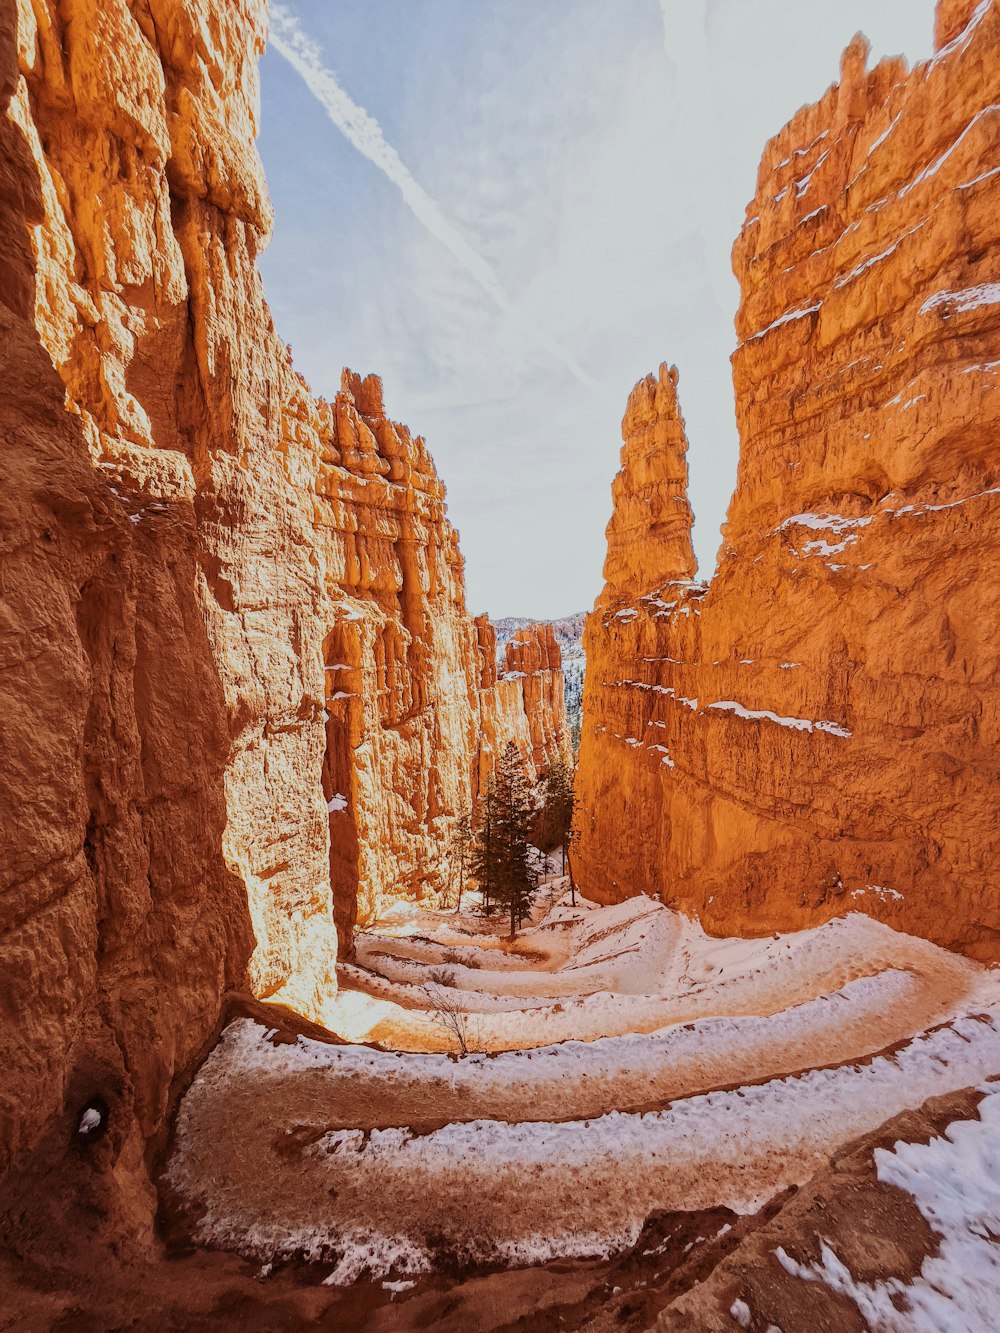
x=760 y=1058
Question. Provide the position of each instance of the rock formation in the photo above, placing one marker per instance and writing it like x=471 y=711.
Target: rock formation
x=241 y=687
x=649 y=536
x=815 y=731
x=415 y=712
x=533 y=657
x=568 y=631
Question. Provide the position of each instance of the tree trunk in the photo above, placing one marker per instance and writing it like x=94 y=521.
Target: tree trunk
x=461 y=880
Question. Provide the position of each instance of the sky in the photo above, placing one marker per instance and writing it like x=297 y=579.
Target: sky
x=512 y=210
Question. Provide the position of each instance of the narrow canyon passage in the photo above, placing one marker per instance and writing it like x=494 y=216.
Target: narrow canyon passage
x=622 y=1062
x=256 y=731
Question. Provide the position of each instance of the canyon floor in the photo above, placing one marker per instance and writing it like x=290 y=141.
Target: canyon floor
x=651 y=1127
x=640 y=1105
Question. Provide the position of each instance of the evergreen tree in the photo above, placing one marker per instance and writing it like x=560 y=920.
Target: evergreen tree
x=573 y=694
x=568 y=854
x=458 y=851
x=513 y=873
x=559 y=804
x=483 y=860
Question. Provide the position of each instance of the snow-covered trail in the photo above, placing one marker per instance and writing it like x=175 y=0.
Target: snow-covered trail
x=635 y=967
x=749 y=1062
x=578 y=1079
x=489 y=1191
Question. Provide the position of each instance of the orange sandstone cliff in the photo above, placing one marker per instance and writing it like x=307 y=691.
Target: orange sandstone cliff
x=816 y=730
x=241 y=693
x=534 y=660
x=415 y=713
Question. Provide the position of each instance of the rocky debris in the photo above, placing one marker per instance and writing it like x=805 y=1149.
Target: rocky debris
x=816 y=729
x=242 y=693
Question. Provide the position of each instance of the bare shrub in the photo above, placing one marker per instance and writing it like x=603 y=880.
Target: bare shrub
x=446 y=1011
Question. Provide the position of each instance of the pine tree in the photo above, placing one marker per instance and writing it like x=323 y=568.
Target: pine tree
x=483 y=860
x=513 y=873
x=573 y=693
x=458 y=851
x=559 y=804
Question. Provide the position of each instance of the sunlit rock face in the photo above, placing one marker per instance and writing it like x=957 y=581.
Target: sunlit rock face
x=165 y=832
x=816 y=731
x=524 y=702
x=533 y=657
x=415 y=713
x=649 y=536
x=951 y=18
x=242 y=692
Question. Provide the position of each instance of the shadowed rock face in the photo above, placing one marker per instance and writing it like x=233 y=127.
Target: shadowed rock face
x=241 y=688
x=816 y=730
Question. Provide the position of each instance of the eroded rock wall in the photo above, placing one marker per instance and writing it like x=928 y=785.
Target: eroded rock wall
x=534 y=659
x=166 y=838
x=416 y=713
x=241 y=690
x=816 y=730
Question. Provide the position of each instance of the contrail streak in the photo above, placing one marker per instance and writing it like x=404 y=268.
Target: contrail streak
x=365 y=133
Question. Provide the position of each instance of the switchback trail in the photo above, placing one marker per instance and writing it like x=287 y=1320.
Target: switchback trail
x=623 y=1062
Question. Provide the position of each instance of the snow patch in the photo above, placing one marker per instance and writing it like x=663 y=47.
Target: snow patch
x=823 y=522
x=966 y=298
x=954 y=1181
x=793 y=723
x=787 y=318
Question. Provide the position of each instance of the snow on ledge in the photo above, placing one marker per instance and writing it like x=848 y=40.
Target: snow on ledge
x=765 y=715
x=966 y=298
x=824 y=522
x=786 y=318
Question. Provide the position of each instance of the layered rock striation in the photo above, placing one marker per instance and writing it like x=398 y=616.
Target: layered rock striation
x=815 y=731
x=533 y=658
x=241 y=689
x=415 y=710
